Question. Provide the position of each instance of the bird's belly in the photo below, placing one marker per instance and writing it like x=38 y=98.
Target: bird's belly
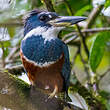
x=46 y=77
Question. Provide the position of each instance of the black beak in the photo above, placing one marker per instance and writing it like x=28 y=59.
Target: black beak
x=63 y=21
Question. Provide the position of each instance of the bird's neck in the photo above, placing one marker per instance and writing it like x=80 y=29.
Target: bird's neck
x=47 y=33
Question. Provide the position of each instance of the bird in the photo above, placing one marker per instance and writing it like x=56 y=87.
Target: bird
x=44 y=56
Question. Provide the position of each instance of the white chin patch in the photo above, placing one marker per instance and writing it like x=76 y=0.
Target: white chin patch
x=48 y=34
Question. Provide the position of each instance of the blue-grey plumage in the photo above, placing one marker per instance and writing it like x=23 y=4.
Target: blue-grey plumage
x=36 y=49
x=66 y=67
x=45 y=57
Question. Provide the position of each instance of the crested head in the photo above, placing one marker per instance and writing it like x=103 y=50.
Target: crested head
x=38 y=18
x=29 y=14
x=46 y=23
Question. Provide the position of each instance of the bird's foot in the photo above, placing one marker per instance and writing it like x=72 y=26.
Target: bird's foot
x=53 y=93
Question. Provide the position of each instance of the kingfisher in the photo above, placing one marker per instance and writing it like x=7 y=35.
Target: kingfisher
x=44 y=56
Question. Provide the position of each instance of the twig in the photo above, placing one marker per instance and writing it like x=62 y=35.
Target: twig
x=70 y=39
x=13 y=61
x=49 y=5
x=10 y=24
x=77 y=52
x=3 y=54
x=93 y=30
x=91 y=20
x=83 y=41
x=69 y=9
x=2 y=46
x=93 y=15
x=104 y=74
x=11 y=54
x=34 y=3
x=96 y=30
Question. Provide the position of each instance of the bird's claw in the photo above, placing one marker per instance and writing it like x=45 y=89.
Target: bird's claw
x=50 y=96
x=53 y=93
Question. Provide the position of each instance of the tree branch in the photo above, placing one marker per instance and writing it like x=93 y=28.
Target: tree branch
x=88 y=96
x=11 y=24
x=73 y=35
x=17 y=95
x=93 y=15
x=83 y=40
x=94 y=30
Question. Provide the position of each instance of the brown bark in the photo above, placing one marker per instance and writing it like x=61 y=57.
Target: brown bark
x=17 y=95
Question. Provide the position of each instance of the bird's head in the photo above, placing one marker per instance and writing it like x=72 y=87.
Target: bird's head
x=44 y=21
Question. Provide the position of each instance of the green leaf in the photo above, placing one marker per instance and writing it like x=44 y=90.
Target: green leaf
x=6 y=52
x=82 y=10
x=98 y=49
x=107 y=3
x=5 y=44
x=11 y=31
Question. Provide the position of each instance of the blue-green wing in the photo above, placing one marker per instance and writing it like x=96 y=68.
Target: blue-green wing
x=66 y=67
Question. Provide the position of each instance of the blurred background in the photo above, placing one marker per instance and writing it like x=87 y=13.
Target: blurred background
x=88 y=42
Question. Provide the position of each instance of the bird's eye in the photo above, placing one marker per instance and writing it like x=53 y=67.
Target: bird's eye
x=43 y=18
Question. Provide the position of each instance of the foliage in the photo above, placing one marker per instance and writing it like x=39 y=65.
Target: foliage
x=98 y=48
x=107 y=3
